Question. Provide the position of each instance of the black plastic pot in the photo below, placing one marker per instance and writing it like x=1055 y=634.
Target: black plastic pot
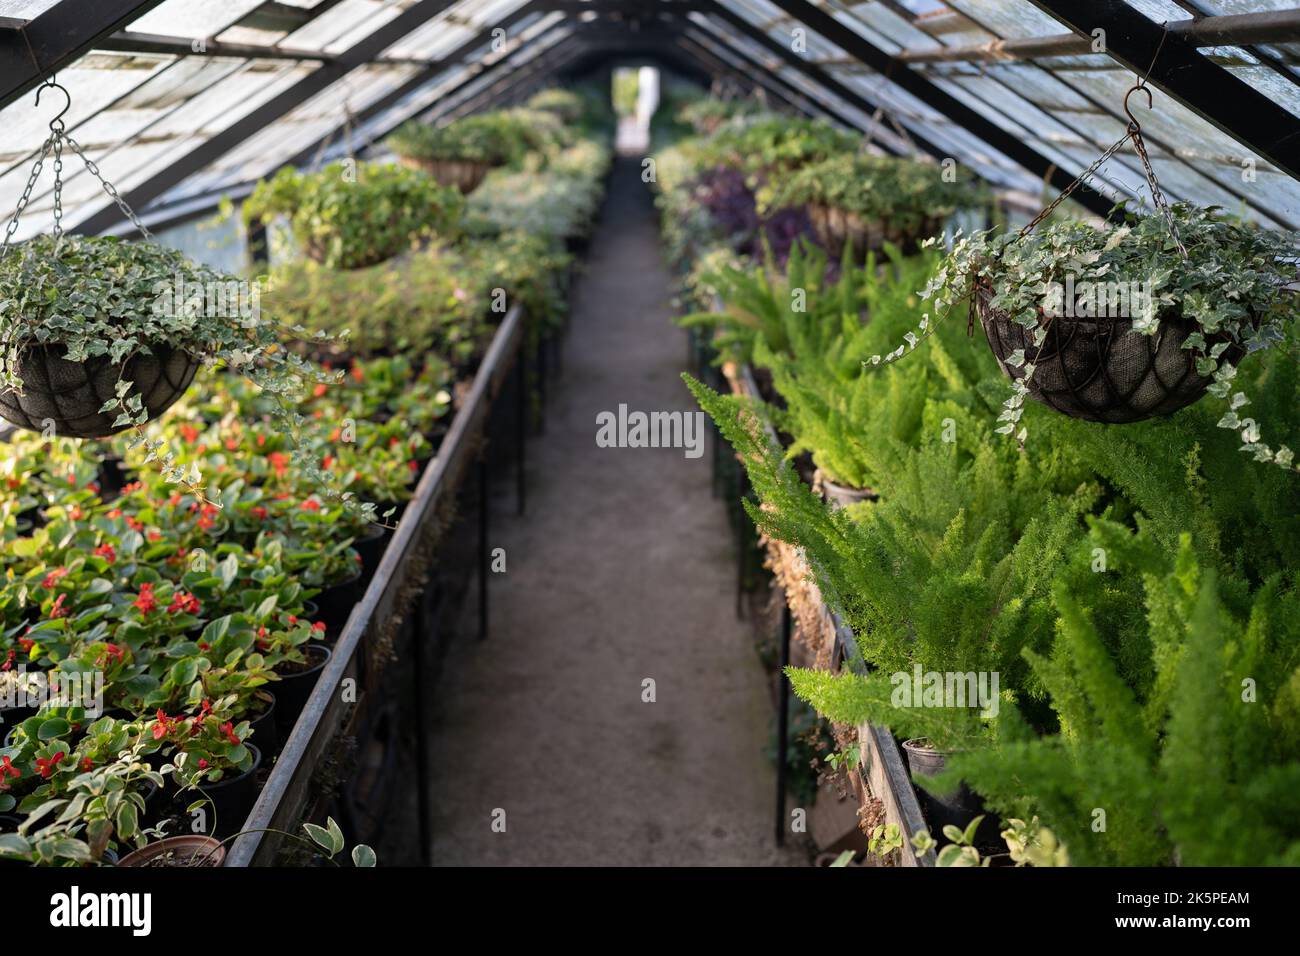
x=293 y=689
x=336 y=603
x=70 y=394
x=266 y=732
x=113 y=478
x=232 y=799
x=371 y=547
x=958 y=808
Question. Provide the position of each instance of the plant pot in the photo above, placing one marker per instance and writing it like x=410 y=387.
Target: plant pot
x=1100 y=369
x=463 y=174
x=112 y=478
x=841 y=496
x=266 y=732
x=70 y=394
x=293 y=689
x=336 y=602
x=835 y=228
x=370 y=546
x=178 y=851
x=958 y=808
x=232 y=798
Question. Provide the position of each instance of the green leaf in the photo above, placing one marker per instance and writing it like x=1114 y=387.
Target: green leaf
x=321 y=836
x=362 y=855
x=336 y=834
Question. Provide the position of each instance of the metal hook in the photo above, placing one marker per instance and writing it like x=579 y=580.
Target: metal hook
x=50 y=84
x=1133 y=124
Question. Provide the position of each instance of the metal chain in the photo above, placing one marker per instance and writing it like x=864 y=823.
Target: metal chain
x=58 y=184
x=26 y=196
x=1157 y=195
x=108 y=188
x=1065 y=193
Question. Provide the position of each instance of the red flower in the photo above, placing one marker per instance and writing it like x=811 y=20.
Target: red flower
x=232 y=444
x=261 y=440
x=9 y=661
x=203 y=764
x=58 y=610
x=413 y=465
x=229 y=730
x=46 y=767
x=115 y=513
x=319 y=390
x=279 y=461
x=53 y=577
x=146 y=602
x=184 y=603
x=8 y=769
x=204 y=646
x=335 y=435
x=259 y=512
x=26 y=643
x=175 y=499
x=87 y=763
x=135 y=524
x=111 y=652
x=189 y=433
x=205 y=522
x=162 y=726
x=357 y=374
x=154 y=536
x=106 y=552
x=311 y=504
x=318 y=626
x=76 y=514
x=327 y=462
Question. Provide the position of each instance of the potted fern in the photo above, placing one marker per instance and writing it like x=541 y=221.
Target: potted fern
x=348 y=216
x=860 y=202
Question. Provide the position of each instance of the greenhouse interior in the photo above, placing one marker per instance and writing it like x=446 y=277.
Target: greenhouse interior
x=596 y=433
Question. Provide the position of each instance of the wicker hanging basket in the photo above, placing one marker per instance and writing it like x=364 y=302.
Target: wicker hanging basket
x=1100 y=369
x=836 y=228
x=463 y=174
x=71 y=394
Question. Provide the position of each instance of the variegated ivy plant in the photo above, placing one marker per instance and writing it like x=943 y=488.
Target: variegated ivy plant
x=104 y=296
x=1236 y=283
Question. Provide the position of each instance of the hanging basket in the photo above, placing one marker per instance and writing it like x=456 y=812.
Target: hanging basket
x=70 y=394
x=462 y=174
x=1100 y=369
x=836 y=228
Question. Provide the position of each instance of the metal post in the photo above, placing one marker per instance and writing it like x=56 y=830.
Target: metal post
x=521 y=434
x=742 y=562
x=484 y=555
x=783 y=721
x=418 y=632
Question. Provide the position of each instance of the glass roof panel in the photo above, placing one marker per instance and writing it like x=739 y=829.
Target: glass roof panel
x=193 y=19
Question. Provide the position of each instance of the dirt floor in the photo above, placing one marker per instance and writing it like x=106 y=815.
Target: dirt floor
x=621 y=571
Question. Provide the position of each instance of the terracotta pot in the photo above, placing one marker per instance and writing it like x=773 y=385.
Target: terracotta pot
x=835 y=228
x=841 y=496
x=178 y=851
x=70 y=394
x=463 y=174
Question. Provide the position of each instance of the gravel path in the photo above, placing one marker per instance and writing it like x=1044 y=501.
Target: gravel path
x=622 y=570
